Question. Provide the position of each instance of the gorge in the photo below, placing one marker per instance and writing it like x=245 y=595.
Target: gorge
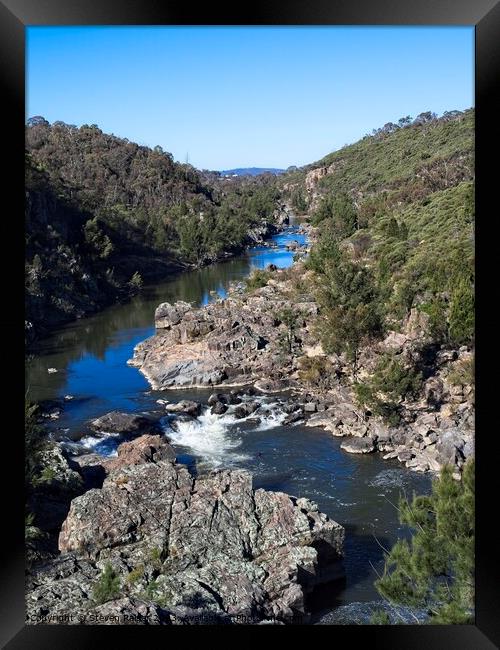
x=247 y=367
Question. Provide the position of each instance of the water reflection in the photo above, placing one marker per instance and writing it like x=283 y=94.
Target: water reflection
x=90 y=355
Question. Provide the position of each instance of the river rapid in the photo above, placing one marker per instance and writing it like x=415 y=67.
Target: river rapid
x=361 y=492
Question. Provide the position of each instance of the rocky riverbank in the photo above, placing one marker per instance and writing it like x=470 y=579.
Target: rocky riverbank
x=146 y=542
x=266 y=339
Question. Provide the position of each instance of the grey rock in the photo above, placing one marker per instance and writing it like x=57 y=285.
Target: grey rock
x=449 y=447
x=224 y=548
x=356 y=445
x=118 y=422
x=217 y=397
x=186 y=407
x=296 y=416
x=218 y=408
x=168 y=315
x=127 y=611
x=245 y=409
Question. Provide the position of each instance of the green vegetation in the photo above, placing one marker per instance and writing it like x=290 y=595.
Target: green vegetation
x=34 y=443
x=257 y=279
x=394 y=158
x=107 y=587
x=380 y=618
x=395 y=218
x=315 y=371
x=156 y=557
x=97 y=241
x=299 y=201
x=434 y=570
x=461 y=313
x=339 y=208
x=351 y=312
x=390 y=384
x=135 y=575
x=136 y=282
x=287 y=340
x=101 y=210
x=462 y=373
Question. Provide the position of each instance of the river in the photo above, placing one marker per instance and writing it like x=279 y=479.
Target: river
x=359 y=491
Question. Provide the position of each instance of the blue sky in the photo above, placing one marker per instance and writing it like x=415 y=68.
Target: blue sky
x=246 y=96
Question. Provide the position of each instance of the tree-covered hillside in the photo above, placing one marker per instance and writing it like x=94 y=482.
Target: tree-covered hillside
x=395 y=242
x=103 y=214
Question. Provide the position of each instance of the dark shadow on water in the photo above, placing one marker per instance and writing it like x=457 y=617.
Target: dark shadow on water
x=275 y=482
x=190 y=462
x=329 y=596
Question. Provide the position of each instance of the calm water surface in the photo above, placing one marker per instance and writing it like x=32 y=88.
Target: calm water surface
x=360 y=492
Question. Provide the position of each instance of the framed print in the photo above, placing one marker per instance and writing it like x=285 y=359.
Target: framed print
x=255 y=320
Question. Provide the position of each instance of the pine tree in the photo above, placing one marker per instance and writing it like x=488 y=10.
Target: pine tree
x=434 y=570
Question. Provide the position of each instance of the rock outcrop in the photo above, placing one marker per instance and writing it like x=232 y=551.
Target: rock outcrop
x=186 y=547
x=261 y=339
x=227 y=342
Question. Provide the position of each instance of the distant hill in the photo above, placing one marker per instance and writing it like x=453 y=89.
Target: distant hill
x=251 y=171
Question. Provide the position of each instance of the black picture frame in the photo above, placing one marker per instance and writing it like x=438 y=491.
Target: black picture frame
x=15 y=15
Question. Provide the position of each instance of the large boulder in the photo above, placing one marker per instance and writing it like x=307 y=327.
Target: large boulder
x=185 y=406
x=245 y=409
x=168 y=315
x=355 y=445
x=146 y=449
x=118 y=422
x=209 y=544
x=449 y=447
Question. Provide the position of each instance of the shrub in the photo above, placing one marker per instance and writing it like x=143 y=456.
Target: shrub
x=315 y=371
x=257 y=280
x=97 y=240
x=391 y=382
x=135 y=282
x=107 y=587
x=34 y=443
x=156 y=557
x=286 y=340
x=462 y=373
x=340 y=209
x=461 y=319
x=438 y=326
x=136 y=574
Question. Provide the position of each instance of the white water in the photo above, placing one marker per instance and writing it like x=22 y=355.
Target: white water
x=216 y=438
x=105 y=444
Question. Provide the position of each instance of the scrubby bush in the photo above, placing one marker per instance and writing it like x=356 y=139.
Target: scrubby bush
x=462 y=373
x=257 y=279
x=289 y=318
x=390 y=384
x=317 y=371
x=461 y=318
x=340 y=209
x=136 y=282
x=34 y=443
x=107 y=587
